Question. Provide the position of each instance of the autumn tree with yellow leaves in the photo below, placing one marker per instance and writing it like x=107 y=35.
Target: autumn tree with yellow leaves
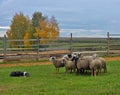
x=48 y=32
x=20 y=24
x=38 y=27
x=29 y=35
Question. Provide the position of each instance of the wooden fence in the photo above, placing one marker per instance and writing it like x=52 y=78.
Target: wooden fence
x=35 y=50
x=62 y=45
x=113 y=43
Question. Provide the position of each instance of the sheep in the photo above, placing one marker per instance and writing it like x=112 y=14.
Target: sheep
x=95 y=66
x=82 y=64
x=58 y=63
x=69 y=65
x=96 y=56
x=103 y=64
x=99 y=62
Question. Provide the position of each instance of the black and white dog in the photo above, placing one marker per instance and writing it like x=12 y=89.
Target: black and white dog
x=19 y=74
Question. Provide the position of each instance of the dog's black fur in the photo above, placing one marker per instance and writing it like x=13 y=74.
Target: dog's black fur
x=19 y=74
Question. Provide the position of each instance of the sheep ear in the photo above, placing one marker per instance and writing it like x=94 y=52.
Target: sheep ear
x=79 y=55
x=51 y=58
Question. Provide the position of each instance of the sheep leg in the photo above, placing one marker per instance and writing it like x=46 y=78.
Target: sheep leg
x=66 y=70
x=70 y=70
x=57 y=70
x=97 y=72
x=74 y=70
x=81 y=70
x=77 y=71
x=105 y=69
x=94 y=72
x=100 y=71
x=86 y=71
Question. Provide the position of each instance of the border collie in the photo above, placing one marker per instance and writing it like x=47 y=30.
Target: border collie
x=19 y=74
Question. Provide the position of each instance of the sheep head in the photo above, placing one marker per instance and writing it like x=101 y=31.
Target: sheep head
x=52 y=58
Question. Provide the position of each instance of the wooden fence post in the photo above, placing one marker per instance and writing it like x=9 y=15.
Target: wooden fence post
x=37 y=48
x=4 y=47
x=108 y=43
x=71 y=49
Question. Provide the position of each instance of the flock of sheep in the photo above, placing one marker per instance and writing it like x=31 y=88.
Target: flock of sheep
x=80 y=64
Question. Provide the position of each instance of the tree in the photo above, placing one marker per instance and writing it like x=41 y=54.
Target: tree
x=26 y=39
x=29 y=35
x=49 y=30
x=54 y=28
x=36 y=17
x=40 y=26
x=18 y=27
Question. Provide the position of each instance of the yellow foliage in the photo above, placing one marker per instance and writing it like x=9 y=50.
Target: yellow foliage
x=26 y=40
x=48 y=32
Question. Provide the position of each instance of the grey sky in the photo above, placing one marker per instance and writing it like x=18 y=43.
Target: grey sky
x=89 y=15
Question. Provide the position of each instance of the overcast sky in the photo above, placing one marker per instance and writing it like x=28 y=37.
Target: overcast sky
x=80 y=17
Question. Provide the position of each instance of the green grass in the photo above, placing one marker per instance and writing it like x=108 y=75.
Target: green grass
x=44 y=81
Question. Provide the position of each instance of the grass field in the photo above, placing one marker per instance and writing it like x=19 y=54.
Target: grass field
x=44 y=81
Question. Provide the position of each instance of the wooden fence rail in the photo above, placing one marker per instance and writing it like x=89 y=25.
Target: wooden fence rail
x=72 y=44
x=33 y=50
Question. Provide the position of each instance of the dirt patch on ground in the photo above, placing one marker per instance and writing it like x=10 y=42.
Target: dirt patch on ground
x=112 y=58
x=46 y=63
x=25 y=64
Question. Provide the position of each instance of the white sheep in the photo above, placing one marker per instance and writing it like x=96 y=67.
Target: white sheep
x=82 y=64
x=96 y=56
x=58 y=63
x=95 y=66
x=69 y=65
x=84 y=61
x=104 y=66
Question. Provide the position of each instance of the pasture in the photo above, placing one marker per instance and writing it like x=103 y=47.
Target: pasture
x=45 y=81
